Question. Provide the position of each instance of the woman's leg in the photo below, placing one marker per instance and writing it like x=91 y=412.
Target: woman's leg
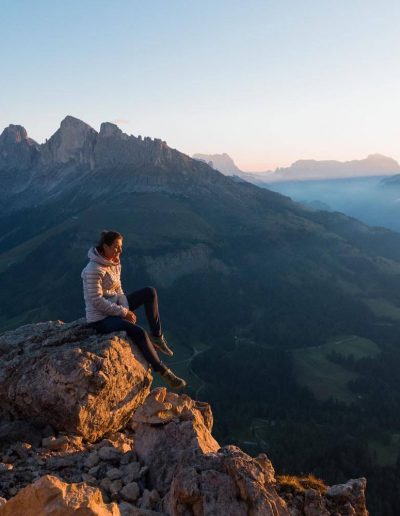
x=148 y=297
x=138 y=335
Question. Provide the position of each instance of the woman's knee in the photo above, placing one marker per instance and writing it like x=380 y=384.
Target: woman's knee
x=151 y=292
x=135 y=332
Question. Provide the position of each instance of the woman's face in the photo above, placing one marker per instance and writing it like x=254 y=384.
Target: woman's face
x=112 y=252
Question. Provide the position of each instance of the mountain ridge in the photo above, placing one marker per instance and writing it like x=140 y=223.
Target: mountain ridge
x=77 y=152
x=307 y=169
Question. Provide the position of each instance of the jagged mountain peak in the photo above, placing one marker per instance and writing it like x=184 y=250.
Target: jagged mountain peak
x=14 y=134
x=222 y=162
x=108 y=129
x=71 y=122
x=76 y=149
x=17 y=150
x=73 y=141
x=75 y=128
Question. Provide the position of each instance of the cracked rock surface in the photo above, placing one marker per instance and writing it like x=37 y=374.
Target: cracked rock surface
x=71 y=378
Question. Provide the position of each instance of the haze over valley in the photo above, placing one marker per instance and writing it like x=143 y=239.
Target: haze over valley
x=367 y=189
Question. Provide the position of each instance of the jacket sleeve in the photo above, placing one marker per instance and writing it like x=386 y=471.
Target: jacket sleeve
x=122 y=299
x=95 y=294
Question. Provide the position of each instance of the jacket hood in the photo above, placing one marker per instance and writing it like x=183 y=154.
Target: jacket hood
x=95 y=256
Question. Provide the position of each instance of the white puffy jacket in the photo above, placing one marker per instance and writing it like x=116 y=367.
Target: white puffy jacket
x=102 y=288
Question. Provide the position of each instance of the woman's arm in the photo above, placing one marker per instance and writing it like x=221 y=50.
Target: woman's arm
x=122 y=299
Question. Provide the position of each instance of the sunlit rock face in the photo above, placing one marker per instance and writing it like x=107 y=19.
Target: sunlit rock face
x=73 y=141
x=186 y=464
x=17 y=150
x=69 y=377
x=50 y=495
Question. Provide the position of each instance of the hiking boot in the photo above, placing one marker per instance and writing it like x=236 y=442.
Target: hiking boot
x=172 y=380
x=161 y=344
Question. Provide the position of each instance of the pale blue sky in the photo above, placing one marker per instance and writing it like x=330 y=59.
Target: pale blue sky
x=268 y=82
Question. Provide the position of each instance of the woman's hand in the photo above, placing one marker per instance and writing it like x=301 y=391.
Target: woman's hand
x=131 y=317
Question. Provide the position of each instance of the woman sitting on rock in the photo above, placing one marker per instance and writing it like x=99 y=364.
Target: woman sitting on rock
x=109 y=310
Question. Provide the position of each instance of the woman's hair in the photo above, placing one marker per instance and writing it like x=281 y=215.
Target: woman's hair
x=107 y=237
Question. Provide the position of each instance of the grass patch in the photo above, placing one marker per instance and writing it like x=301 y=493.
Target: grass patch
x=293 y=484
x=325 y=378
x=383 y=308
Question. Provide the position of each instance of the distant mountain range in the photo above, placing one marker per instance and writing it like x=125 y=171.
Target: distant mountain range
x=304 y=170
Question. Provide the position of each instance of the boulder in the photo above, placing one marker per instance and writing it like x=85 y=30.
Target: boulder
x=50 y=495
x=68 y=376
x=349 y=498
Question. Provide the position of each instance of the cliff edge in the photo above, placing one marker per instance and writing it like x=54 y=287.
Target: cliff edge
x=81 y=433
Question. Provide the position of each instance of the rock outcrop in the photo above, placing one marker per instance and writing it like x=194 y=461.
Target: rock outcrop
x=68 y=376
x=17 y=150
x=163 y=461
x=73 y=141
x=314 y=498
x=76 y=156
x=171 y=429
x=50 y=495
x=186 y=464
x=226 y=482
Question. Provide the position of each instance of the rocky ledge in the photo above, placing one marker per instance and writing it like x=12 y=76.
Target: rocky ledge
x=67 y=376
x=82 y=433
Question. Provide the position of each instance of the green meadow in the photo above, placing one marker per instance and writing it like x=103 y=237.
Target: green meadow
x=325 y=378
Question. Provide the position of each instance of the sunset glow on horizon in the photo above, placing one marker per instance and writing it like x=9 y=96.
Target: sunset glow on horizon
x=266 y=82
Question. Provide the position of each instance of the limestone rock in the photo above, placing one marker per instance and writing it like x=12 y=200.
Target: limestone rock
x=114 y=473
x=349 y=497
x=17 y=150
x=109 y=453
x=73 y=141
x=50 y=495
x=184 y=434
x=149 y=499
x=226 y=482
x=68 y=376
x=344 y=499
x=128 y=509
x=130 y=492
x=314 y=503
x=55 y=443
x=162 y=406
x=131 y=472
x=92 y=460
x=120 y=441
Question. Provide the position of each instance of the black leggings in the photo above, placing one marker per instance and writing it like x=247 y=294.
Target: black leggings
x=147 y=297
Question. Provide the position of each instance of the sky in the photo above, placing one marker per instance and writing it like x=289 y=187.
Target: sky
x=267 y=82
